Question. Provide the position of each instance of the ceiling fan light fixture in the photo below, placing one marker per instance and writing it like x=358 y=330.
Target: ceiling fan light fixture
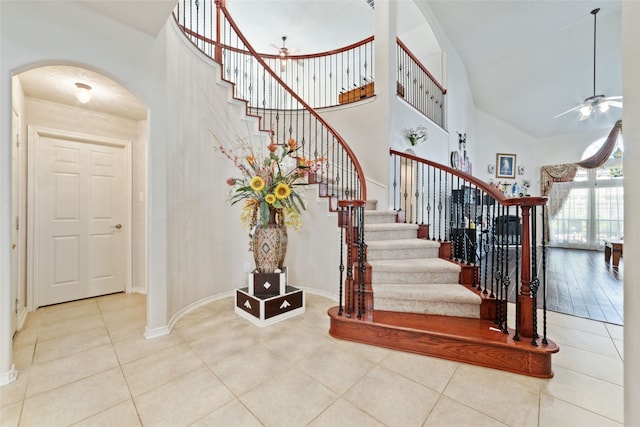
x=586 y=110
x=595 y=104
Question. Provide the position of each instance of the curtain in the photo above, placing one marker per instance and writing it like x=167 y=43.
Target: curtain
x=603 y=154
x=566 y=172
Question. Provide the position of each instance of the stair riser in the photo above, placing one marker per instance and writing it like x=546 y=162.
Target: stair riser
x=377 y=254
x=428 y=307
x=380 y=219
x=389 y=235
x=413 y=277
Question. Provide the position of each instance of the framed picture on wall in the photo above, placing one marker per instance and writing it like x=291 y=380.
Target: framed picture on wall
x=506 y=165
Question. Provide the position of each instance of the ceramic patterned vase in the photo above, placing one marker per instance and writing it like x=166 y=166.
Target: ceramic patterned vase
x=269 y=245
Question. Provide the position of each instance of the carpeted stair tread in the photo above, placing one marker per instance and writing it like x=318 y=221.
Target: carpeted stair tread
x=414 y=265
x=389 y=226
x=377 y=217
x=402 y=244
x=402 y=249
x=389 y=231
x=439 y=299
x=450 y=292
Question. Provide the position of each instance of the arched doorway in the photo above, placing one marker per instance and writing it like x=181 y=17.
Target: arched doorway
x=66 y=147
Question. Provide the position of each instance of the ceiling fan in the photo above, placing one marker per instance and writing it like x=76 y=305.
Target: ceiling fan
x=284 y=52
x=596 y=103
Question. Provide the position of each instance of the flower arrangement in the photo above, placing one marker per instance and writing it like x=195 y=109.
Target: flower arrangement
x=415 y=135
x=268 y=181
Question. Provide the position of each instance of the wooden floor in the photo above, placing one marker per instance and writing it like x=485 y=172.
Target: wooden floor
x=580 y=283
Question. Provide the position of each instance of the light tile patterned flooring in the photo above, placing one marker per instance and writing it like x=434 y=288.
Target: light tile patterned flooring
x=86 y=363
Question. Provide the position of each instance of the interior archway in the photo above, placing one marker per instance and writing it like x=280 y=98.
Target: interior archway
x=44 y=97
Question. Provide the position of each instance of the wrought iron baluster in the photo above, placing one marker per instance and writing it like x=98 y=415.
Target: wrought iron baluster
x=544 y=277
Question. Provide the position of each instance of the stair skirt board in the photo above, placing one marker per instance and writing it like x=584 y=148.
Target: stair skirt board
x=472 y=341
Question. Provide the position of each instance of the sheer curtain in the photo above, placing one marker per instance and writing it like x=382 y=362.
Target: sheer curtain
x=586 y=198
x=592 y=211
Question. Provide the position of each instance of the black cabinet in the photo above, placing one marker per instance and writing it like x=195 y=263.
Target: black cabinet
x=464 y=243
x=507 y=230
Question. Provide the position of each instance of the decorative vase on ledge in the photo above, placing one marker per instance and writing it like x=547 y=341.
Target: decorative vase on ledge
x=269 y=244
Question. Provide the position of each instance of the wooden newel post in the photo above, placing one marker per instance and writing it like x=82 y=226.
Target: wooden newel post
x=217 y=53
x=525 y=320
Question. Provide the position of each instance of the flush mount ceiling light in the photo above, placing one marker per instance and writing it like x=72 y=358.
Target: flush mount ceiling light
x=83 y=92
x=595 y=103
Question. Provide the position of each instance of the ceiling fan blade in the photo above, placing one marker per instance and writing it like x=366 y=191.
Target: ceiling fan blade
x=274 y=46
x=612 y=98
x=570 y=110
x=617 y=104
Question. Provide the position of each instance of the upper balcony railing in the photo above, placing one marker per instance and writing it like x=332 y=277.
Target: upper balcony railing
x=418 y=86
x=326 y=79
x=282 y=111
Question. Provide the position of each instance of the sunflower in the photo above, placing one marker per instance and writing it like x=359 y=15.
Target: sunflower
x=282 y=191
x=270 y=198
x=257 y=183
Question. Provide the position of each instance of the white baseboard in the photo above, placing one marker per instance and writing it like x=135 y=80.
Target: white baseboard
x=22 y=317
x=320 y=293
x=188 y=309
x=9 y=376
x=156 y=332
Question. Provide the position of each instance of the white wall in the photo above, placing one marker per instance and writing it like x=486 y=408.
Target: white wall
x=631 y=129
x=567 y=148
x=495 y=136
x=460 y=116
x=208 y=248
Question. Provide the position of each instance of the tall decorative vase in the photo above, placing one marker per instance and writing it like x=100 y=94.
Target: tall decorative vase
x=269 y=245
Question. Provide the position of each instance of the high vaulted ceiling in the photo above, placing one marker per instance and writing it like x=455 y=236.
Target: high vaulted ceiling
x=526 y=60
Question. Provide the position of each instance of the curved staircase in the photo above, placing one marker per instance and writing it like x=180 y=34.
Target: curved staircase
x=398 y=292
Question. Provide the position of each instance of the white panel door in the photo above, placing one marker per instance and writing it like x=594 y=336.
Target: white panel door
x=81 y=213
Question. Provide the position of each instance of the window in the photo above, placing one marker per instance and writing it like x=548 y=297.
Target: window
x=594 y=205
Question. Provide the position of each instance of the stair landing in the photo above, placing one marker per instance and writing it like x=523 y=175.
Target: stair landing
x=473 y=341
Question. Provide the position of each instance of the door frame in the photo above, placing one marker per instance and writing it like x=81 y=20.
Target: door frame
x=34 y=134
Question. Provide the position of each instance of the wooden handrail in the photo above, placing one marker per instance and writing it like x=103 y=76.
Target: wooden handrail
x=320 y=54
x=501 y=198
x=419 y=64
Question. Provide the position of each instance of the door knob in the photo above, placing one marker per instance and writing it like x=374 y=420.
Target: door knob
x=118 y=226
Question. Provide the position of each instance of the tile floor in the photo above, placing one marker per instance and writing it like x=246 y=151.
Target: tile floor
x=86 y=363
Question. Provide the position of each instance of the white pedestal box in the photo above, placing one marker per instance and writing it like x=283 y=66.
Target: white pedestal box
x=268 y=299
